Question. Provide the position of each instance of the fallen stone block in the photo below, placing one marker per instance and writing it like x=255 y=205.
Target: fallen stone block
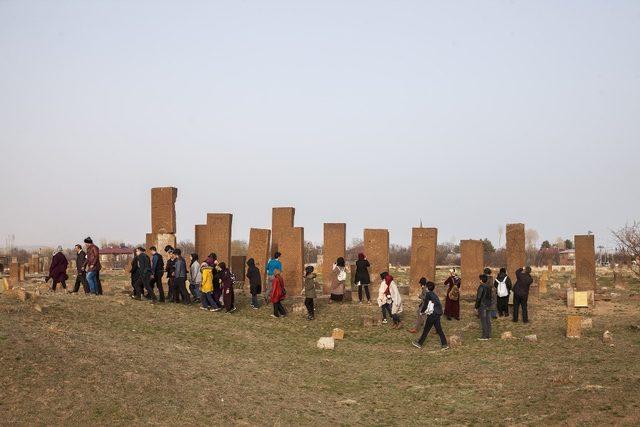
x=607 y=338
x=507 y=336
x=574 y=326
x=531 y=338
x=298 y=308
x=337 y=334
x=454 y=341
x=40 y=308
x=326 y=343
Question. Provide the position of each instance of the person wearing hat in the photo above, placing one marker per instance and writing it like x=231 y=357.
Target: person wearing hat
x=58 y=270
x=452 y=301
x=483 y=305
x=432 y=309
x=93 y=266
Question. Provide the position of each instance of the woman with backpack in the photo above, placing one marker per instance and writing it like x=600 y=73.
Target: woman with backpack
x=503 y=287
x=228 y=297
x=339 y=274
x=452 y=302
x=362 y=278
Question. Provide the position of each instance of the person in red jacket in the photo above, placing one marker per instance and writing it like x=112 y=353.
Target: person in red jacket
x=278 y=293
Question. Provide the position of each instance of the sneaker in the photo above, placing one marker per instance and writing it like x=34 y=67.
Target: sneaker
x=203 y=308
x=446 y=347
x=213 y=310
x=232 y=309
x=416 y=345
x=369 y=302
x=483 y=339
x=384 y=321
x=413 y=330
x=274 y=316
x=310 y=317
x=217 y=309
x=359 y=302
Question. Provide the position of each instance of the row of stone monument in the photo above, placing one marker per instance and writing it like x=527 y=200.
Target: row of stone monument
x=285 y=237
x=18 y=271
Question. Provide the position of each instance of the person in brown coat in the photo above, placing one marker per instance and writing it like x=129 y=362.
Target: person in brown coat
x=93 y=265
x=58 y=270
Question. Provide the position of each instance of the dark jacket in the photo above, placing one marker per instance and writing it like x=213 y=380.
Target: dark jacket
x=135 y=269
x=180 y=268
x=523 y=282
x=170 y=267
x=362 y=272
x=157 y=265
x=58 y=268
x=437 y=306
x=254 y=276
x=81 y=260
x=483 y=296
x=93 y=258
x=499 y=278
x=144 y=264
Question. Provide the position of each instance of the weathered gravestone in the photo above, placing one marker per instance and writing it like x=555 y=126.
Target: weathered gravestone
x=574 y=324
x=585 y=263
x=376 y=248
x=471 y=264
x=516 y=256
x=423 y=257
x=291 y=246
x=282 y=220
x=215 y=236
x=163 y=210
x=238 y=267
x=334 y=246
x=259 y=241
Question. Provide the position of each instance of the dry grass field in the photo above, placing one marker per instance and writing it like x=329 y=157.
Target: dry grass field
x=112 y=360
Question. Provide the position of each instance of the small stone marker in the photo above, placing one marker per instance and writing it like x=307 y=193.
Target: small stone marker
x=570 y=297
x=607 y=338
x=543 y=282
x=507 y=336
x=574 y=324
x=326 y=343
x=531 y=338
x=581 y=299
x=337 y=334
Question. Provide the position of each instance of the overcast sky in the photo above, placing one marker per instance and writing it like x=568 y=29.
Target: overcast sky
x=467 y=115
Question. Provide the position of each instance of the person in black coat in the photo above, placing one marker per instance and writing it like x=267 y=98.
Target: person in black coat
x=144 y=278
x=503 y=287
x=255 y=282
x=81 y=273
x=362 y=278
x=431 y=303
x=521 y=293
x=135 y=271
x=157 y=270
x=170 y=267
x=483 y=305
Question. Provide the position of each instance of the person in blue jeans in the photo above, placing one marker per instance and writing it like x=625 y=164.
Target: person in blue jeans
x=483 y=305
x=432 y=308
x=273 y=264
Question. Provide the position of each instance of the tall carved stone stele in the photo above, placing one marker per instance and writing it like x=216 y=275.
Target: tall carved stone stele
x=376 y=248
x=423 y=256
x=163 y=220
x=282 y=220
x=516 y=256
x=215 y=236
x=471 y=264
x=334 y=246
x=259 y=241
x=291 y=245
x=585 y=263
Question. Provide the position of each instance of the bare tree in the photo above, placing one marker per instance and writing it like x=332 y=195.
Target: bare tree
x=500 y=234
x=531 y=237
x=628 y=238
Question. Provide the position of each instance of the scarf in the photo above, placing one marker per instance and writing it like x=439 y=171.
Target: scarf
x=388 y=279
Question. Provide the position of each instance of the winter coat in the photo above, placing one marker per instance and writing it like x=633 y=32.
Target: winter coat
x=93 y=258
x=337 y=286
x=310 y=285
x=483 y=296
x=195 y=276
x=437 y=305
x=81 y=261
x=207 y=280
x=523 y=282
x=180 y=268
x=255 y=277
x=157 y=265
x=278 y=292
x=144 y=264
x=58 y=268
x=135 y=270
x=396 y=299
x=272 y=265
x=362 y=272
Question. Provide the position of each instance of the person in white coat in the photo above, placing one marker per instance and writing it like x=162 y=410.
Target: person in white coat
x=389 y=299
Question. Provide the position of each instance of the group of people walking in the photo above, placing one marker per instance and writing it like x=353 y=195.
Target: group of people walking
x=87 y=269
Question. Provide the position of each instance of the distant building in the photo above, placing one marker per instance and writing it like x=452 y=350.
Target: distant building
x=116 y=256
x=567 y=257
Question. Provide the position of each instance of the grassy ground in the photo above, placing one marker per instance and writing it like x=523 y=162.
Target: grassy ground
x=111 y=360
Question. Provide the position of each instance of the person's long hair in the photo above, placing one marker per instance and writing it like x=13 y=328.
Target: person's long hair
x=194 y=258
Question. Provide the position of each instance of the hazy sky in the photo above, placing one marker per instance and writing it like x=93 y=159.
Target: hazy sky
x=467 y=115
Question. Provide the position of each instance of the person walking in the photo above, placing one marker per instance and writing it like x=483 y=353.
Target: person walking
x=521 y=293
x=134 y=272
x=157 y=270
x=144 y=276
x=421 y=317
x=93 y=266
x=255 y=282
x=452 y=300
x=273 y=264
x=493 y=309
x=338 y=278
x=389 y=299
x=195 y=278
x=432 y=308
x=309 y=291
x=483 y=305
x=503 y=287
x=180 y=278
x=278 y=294
x=206 y=290
x=81 y=274
x=228 y=296
x=58 y=270
x=362 y=279
x=170 y=269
